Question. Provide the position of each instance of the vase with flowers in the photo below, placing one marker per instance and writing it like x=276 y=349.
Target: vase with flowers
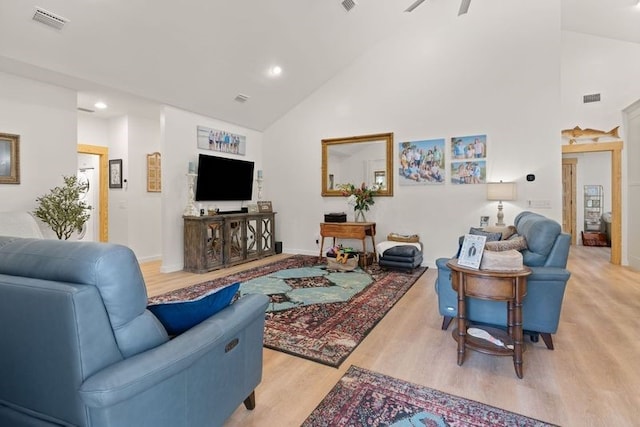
x=361 y=198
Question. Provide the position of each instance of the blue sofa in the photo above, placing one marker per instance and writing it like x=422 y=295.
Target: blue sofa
x=546 y=254
x=79 y=347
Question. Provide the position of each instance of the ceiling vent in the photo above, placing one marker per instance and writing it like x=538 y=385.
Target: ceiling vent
x=49 y=18
x=594 y=97
x=86 y=110
x=348 y=4
x=241 y=98
x=414 y=5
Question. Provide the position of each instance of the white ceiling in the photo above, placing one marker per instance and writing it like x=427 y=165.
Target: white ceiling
x=198 y=55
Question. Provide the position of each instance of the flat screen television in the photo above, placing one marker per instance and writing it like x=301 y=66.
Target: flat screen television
x=221 y=178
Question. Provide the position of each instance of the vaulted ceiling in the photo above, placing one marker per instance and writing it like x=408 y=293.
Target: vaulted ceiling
x=199 y=55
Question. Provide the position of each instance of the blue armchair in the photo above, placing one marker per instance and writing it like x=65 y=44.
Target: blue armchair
x=546 y=254
x=79 y=347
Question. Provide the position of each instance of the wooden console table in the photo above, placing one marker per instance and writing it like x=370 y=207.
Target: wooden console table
x=509 y=286
x=218 y=241
x=349 y=230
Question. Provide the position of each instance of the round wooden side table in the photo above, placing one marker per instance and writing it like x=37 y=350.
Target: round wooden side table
x=509 y=286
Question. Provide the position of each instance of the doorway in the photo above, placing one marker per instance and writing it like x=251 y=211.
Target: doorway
x=103 y=200
x=615 y=148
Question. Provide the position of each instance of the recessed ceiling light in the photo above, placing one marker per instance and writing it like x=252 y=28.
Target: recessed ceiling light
x=100 y=105
x=276 y=70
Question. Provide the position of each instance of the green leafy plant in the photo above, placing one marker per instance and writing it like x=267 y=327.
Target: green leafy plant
x=62 y=209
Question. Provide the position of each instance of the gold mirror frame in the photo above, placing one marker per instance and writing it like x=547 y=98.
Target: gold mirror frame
x=329 y=186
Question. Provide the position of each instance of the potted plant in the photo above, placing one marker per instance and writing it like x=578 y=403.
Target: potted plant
x=62 y=209
x=360 y=197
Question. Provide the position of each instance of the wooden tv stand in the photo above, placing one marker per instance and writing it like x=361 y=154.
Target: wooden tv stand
x=219 y=241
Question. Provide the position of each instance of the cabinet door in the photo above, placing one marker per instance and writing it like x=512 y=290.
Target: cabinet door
x=267 y=238
x=215 y=244
x=235 y=243
x=253 y=237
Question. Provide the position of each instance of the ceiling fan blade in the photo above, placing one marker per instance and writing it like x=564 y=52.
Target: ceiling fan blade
x=414 y=5
x=464 y=7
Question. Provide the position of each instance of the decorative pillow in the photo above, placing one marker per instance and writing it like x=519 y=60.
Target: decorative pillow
x=491 y=237
x=179 y=316
x=506 y=231
x=518 y=243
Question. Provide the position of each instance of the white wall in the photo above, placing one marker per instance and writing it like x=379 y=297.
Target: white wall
x=179 y=147
x=134 y=213
x=610 y=67
x=118 y=135
x=45 y=118
x=144 y=226
x=632 y=122
x=437 y=81
x=92 y=131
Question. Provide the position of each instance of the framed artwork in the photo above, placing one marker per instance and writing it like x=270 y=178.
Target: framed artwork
x=154 y=169
x=265 y=206
x=484 y=221
x=115 y=173
x=9 y=158
x=221 y=140
x=469 y=172
x=421 y=162
x=469 y=159
x=468 y=147
x=252 y=208
x=471 y=252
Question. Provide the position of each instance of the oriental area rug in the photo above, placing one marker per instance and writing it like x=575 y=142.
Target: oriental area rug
x=315 y=313
x=366 y=398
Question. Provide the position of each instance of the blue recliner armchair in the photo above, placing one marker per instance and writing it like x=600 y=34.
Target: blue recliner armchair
x=546 y=255
x=79 y=347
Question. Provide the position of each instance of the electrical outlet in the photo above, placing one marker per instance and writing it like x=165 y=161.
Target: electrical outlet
x=539 y=204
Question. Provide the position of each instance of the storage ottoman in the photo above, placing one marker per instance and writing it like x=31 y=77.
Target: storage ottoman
x=402 y=257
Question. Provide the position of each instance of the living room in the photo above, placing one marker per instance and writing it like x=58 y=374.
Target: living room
x=510 y=71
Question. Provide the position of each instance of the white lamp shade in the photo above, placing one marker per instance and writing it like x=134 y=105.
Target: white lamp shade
x=501 y=191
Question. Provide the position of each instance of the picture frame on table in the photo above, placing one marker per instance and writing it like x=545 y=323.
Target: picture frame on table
x=9 y=158
x=265 y=207
x=115 y=173
x=471 y=251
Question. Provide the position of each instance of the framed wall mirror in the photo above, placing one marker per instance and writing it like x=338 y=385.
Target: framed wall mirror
x=358 y=159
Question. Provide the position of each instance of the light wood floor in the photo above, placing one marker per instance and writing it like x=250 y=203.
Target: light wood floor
x=590 y=379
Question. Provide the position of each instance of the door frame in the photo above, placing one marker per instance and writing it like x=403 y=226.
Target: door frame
x=103 y=192
x=573 y=162
x=615 y=148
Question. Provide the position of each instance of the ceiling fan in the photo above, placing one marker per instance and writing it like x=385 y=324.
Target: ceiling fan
x=464 y=6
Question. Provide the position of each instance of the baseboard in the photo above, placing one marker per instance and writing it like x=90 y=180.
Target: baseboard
x=170 y=268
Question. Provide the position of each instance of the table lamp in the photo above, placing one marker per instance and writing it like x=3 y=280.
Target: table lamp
x=501 y=191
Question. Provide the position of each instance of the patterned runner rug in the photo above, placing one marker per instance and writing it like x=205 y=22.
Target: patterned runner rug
x=366 y=398
x=315 y=313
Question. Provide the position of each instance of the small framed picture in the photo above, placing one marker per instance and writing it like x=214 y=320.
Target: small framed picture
x=484 y=221
x=115 y=173
x=9 y=158
x=252 y=208
x=265 y=207
x=471 y=252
